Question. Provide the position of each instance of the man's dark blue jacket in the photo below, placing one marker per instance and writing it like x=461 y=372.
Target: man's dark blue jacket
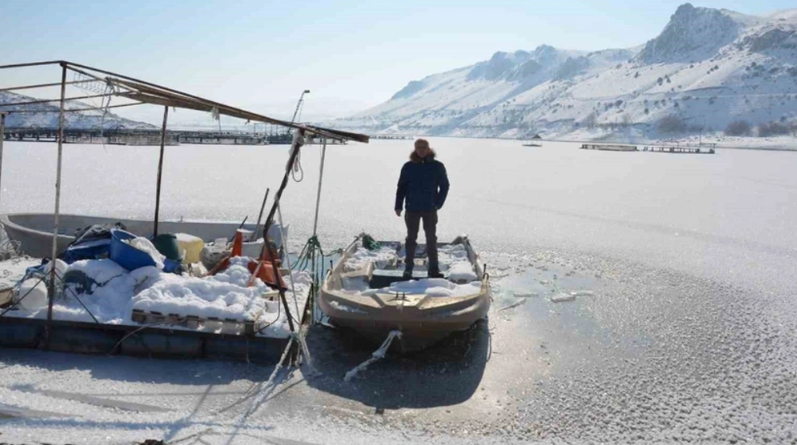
x=423 y=183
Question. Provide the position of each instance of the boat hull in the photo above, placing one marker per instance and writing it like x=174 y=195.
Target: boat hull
x=34 y=230
x=415 y=334
x=422 y=319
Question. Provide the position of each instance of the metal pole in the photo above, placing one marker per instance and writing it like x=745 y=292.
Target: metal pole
x=51 y=289
x=315 y=222
x=160 y=172
x=320 y=180
x=260 y=218
x=2 y=138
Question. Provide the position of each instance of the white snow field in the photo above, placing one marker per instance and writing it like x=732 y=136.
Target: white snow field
x=679 y=324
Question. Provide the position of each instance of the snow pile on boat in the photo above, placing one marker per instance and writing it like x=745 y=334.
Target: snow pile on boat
x=433 y=287
x=461 y=272
x=381 y=257
x=106 y=291
x=224 y=295
x=110 y=293
x=452 y=258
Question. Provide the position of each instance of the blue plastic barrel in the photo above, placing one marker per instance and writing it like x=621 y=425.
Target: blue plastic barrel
x=126 y=255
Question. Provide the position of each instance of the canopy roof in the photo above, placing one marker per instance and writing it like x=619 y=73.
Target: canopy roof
x=141 y=91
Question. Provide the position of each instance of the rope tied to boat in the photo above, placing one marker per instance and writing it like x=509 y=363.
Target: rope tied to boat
x=306 y=254
x=311 y=255
x=376 y=356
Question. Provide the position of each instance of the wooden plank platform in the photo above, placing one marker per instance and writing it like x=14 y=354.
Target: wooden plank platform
x=227 y=325
x=685 y=149
x=609 y=147
x=678 y=149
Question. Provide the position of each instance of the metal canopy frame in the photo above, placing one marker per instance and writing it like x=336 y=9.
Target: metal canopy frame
x=143 y=92
x=146 y=92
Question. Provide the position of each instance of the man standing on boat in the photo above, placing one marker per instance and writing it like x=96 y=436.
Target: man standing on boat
x=424 y=185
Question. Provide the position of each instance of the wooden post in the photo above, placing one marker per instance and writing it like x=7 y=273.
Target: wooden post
x=2 y=138
x=51 y=288
x=295 y=147
x=160 y=172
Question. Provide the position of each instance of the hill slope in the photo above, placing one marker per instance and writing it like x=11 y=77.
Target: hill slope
x=46 y=115
x=707 y=68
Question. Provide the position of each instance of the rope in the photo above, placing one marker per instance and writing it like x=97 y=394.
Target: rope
x=306 y=255
x=109 y=89
x=252 y=391
x=305 y=350
x=297 y=168
x=130 y=334
x=376 y=356
x=279 y=312
x=10 y=249
x=298 y=141
x=307 y=259
x=269 y=386
x=62 y=286
x=14 y=304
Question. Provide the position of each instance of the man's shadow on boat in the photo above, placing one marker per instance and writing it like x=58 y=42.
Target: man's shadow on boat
x=444 y=374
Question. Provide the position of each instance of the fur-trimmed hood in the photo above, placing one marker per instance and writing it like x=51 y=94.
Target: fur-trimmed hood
x=429 y=157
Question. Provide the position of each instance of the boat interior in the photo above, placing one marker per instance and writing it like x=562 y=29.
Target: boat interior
x=379 y=268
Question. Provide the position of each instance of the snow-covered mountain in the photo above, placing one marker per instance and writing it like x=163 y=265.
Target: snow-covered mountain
x=45 y=115
x=706 y=69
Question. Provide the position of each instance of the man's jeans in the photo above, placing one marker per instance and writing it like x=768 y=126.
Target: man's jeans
x=413 y=220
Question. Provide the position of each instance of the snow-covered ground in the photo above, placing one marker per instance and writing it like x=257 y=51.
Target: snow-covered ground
x=688 y=334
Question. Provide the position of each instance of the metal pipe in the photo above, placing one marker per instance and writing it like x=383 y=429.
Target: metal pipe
x=260 y=218
x=74 y=110
x=320 y=180
x=315 y=220
x=2 y=138
x=160 y=171
x=45 y=101
x=51 y=289
x=24 y=65
x=237 y=112
x=43 y=85
x=298 y=104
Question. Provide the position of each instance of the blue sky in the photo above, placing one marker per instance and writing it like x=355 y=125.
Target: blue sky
x=260 y=55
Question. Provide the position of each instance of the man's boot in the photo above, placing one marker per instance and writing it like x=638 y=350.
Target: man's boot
x=434 y=268
x=409 y=260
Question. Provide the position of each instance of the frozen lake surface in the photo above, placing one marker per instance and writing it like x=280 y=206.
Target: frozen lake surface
x=683 y=325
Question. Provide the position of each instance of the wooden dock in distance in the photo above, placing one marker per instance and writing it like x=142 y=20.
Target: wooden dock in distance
x=679 y=149
x=143 y=137
x=609 y=147
x=683 y=149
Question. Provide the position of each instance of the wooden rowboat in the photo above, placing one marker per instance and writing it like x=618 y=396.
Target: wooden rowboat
x=371 y=297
